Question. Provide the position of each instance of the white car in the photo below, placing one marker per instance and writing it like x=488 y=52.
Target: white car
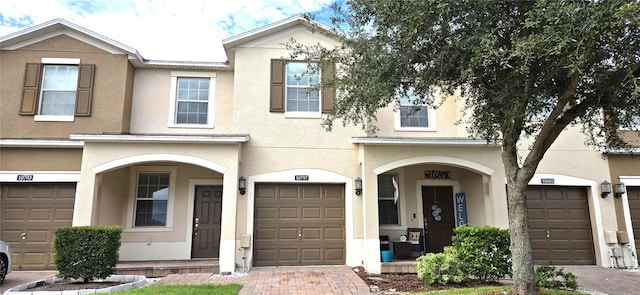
x=5 y=260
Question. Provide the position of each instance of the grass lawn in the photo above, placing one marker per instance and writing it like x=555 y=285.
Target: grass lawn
x=493 y=290
x=207 y=289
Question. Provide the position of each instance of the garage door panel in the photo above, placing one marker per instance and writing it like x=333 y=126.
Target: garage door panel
x=288 y=213
x=40 y=214
x=334 y=214
x=311 y=213
x=309 y=224
x=633 y=195
x=13 y=214
x=266 y=213
x=311 y=233
x=560 y=225
x=63 y=214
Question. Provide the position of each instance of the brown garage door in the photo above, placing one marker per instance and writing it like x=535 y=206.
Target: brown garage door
x=633 y=193
x=29 y=215
x=560 y=226
x=299 y=225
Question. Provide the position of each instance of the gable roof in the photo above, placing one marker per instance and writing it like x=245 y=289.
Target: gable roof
x=14 y=40
x=233 y=41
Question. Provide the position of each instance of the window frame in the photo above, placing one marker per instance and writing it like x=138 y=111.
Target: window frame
x=173 y=99
x=46 y=61
x=303 y=114
x=133 y=190
x=431 y=121
x=387 y=198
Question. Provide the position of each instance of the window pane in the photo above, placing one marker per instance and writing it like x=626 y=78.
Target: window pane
x=151 y=213
x=387 y=212
x=58 y=77
x=58 y=103
x=193 y=97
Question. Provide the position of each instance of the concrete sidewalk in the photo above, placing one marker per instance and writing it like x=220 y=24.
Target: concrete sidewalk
x=342 y=280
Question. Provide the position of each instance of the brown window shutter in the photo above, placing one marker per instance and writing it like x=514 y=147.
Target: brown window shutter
x=277 y=86
x=30 y=93
x=85 y=90
x=328 y=94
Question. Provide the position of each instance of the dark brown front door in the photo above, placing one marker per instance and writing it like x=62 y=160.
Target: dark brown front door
x=207 y=215
x=437 y=207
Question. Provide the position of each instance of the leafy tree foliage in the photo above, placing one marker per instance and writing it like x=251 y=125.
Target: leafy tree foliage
x=523 y=68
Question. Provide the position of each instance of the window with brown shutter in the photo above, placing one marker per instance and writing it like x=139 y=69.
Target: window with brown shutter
x=66 y=90
x=279 y=87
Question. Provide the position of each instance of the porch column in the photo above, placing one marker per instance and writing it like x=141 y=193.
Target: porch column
x=227 y=260
x=371 y=249
x=86 y=195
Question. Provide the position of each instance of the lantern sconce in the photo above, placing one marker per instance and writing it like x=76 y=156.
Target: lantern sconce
x=242 y=185
x=605 y=189
x=358 y=186
x=619 y=189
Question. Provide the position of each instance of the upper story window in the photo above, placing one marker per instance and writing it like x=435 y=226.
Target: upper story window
x=295 y=92
x=58 y=96
x=192 y=95
x=57 y=89
x=411 y=117
x=302 y=93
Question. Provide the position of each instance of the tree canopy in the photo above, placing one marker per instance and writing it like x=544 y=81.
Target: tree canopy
x=522 y=68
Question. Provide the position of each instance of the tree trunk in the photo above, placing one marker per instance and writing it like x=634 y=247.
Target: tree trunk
x=521 y=252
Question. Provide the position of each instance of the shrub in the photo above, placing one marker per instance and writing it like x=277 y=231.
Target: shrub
x=439 y=268
x=86 y=252
x=483 y=251
x=551 y=277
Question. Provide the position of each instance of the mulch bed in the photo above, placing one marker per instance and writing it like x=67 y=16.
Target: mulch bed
x=71 y=285
x=407 y=282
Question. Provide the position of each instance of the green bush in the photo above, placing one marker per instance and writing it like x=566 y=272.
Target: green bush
x=483 y=251
x=440 y=268
x=86 y=252
x=551 y=277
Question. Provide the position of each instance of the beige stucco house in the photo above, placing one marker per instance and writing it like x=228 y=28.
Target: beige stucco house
x=229 y=160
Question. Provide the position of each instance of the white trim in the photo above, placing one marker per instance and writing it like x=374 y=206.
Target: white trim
x=158 y=157
x=161 y=138
x=53 y=118
x=595 y=210
x=60 y=61
x=421 y=141
x=629 y=181
x=41 y=176
x=40 y=143
x=269 y=29
x=210 y=102
x=353 y=257
x=435 y=159
x=190 y=206
x=133 y=185
x=303 y=115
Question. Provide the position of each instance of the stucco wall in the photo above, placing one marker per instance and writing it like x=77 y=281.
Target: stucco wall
x=109 y=92
x=34 y=159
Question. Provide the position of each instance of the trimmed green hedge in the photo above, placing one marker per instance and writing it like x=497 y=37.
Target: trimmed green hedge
x=86 y=252
x=484 y=252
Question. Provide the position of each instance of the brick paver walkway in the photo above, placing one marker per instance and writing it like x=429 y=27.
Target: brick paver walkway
x=18 y=278
x=287 y=280
x=607 y=280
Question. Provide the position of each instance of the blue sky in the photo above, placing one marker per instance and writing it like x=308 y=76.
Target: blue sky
x=162 y=29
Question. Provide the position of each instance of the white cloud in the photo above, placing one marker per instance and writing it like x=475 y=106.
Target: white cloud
x=159 y=29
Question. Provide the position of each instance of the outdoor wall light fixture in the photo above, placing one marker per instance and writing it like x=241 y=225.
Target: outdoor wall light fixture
x=605 y=189
x=242 y=185
x=619 y=189
x=358 y=185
